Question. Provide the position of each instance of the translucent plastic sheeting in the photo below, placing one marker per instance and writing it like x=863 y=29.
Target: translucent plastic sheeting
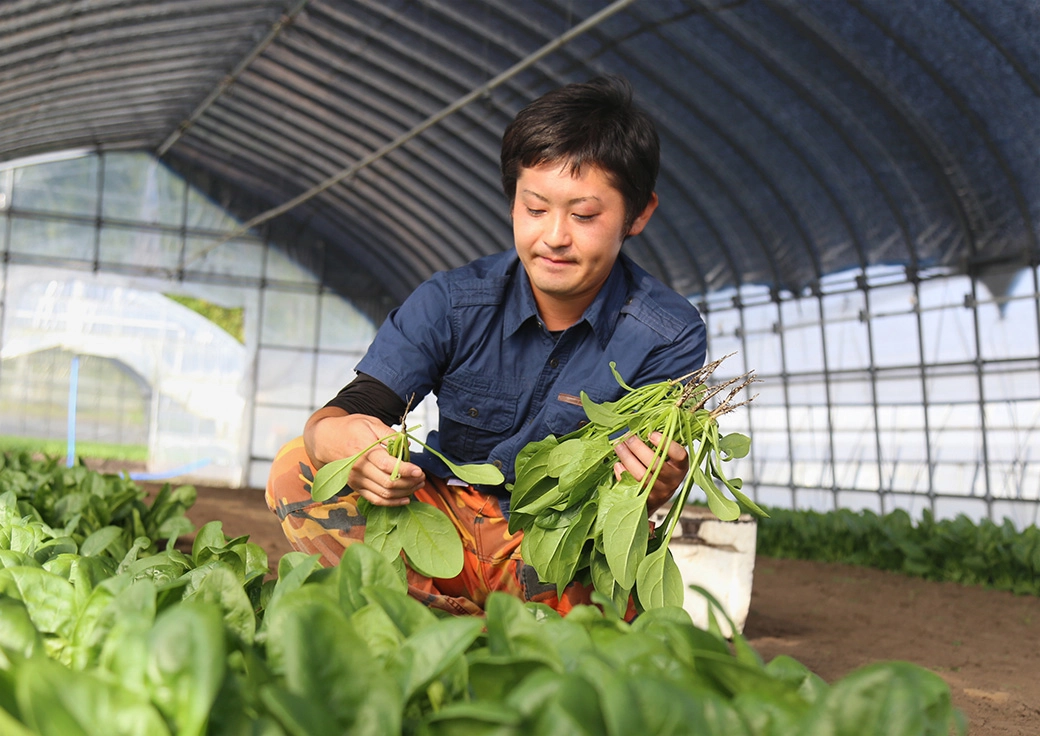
x=196 y=375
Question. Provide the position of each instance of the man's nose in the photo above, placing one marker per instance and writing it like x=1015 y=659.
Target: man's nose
x=557 y=232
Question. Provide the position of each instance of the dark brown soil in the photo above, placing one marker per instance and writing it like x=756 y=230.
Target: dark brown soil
x=834 y=619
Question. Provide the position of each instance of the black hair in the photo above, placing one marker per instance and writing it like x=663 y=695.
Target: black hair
x=592 y=123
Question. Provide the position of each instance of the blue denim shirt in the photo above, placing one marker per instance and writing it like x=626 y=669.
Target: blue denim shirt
x=473 y=337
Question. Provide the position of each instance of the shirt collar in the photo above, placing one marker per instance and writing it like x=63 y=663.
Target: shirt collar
x=520 y=306
x=601 y=315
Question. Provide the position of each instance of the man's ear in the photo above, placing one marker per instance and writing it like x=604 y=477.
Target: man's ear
x=644 y=217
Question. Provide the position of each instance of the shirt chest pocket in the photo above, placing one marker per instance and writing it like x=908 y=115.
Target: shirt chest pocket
x=476 y=414
x=565 y=416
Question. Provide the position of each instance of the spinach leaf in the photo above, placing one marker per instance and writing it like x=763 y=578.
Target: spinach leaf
x=481 y=474
x=186 y=663
x=658 y=580
x=607 y=583
x=603 y=415
x=362 y=566
x=381 y=524
x=626 y=532
x=56 y=700
x=567 y=558
x=326 y=666
x=50 y=599
x=429 y=540
x=431 y=651
x=539 y=548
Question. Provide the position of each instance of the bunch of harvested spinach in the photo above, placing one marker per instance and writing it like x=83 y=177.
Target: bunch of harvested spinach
x=577 y=516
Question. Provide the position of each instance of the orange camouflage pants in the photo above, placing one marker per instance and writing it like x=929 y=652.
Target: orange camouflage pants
x=491 y=554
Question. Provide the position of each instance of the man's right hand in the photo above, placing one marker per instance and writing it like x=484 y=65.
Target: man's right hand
x=333 y=434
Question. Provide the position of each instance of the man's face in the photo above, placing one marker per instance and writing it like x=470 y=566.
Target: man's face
x=568 y=232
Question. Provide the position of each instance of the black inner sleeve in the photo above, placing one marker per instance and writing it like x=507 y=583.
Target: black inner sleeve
x=367 y=395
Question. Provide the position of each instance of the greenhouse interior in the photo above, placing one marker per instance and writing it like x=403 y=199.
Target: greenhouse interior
x=209 y=207
x=857 y=227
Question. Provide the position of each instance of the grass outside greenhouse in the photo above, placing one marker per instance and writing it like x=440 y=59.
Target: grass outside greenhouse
x=84 y=449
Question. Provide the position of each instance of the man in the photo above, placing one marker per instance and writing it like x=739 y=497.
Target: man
x=500 y=341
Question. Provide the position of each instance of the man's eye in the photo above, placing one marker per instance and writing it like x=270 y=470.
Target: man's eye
x=534 y=213
x=584 y=218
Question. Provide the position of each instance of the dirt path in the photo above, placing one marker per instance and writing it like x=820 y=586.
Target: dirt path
x=835 y=618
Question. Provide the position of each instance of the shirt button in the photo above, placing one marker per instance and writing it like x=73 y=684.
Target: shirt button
x=554 y=363
x=497 y=464
x=473 y=412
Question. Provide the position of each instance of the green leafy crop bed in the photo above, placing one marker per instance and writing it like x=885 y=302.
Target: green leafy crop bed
x=107 y=628
x=997 y=556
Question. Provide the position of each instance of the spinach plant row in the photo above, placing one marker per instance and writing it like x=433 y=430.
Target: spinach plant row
x=207 y=643
x=998 y=556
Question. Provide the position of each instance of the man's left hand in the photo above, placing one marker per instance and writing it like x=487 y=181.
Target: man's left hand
x=636 y=456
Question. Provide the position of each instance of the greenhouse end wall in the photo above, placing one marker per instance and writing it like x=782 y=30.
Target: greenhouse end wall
x=92 y=245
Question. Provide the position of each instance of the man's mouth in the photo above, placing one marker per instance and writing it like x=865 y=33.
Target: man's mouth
x=556 y=261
